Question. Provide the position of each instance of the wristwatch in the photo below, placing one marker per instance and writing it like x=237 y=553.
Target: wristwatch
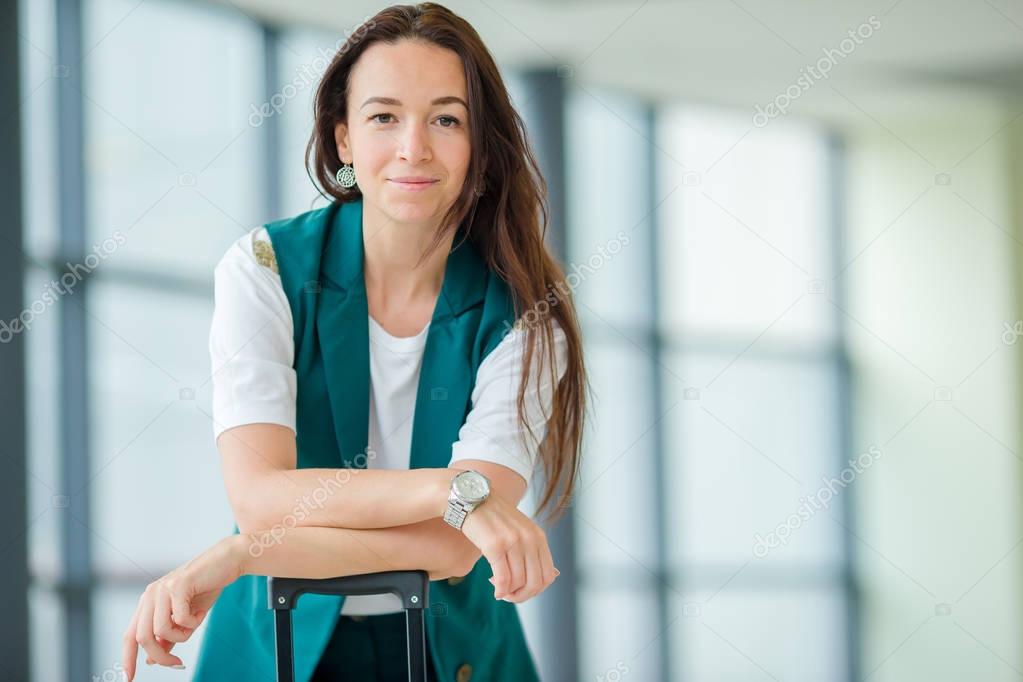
x=469 y=489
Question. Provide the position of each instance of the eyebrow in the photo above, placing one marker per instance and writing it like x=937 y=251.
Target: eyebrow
x=450 y=99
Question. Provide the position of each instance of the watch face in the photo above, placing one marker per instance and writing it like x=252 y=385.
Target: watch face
x=471 y=485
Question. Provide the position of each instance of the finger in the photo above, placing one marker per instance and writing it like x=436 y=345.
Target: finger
x=165 y=629
x=547 y=562
x=534 y=577
x=130 y=648
x=145 y=634
x=144 y=626
x=167 y=645
x=181 y=612
x=159 y=642
x=502 y=575
x=517 y=566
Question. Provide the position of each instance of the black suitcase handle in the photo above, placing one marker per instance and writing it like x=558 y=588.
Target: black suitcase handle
x=412 y=587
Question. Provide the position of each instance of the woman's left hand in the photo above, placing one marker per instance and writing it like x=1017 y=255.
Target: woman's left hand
x=172 y=607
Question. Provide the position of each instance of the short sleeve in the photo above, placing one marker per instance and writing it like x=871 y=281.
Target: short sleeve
x=251 y=339
x=492 y=430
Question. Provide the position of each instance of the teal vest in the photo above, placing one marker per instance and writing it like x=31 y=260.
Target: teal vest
x=320 y=257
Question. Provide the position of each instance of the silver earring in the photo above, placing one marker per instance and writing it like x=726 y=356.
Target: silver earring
x=345 y=176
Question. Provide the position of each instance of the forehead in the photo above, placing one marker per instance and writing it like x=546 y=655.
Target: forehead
x=413 y=72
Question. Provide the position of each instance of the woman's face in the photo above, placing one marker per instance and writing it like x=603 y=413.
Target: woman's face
x=418 y=132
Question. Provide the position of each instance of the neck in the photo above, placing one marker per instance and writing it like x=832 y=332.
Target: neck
x=391 y=251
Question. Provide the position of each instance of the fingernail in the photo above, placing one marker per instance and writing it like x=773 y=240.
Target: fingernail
x=557 y=572
x=178 y=666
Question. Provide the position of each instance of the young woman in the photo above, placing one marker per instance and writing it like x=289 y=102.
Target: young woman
x=389 y=371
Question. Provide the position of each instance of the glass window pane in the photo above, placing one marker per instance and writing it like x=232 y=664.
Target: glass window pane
x=607 y=187
x=152 y=443
x=39 y=78
x=615 y=512
x=740 y=635
x=179 y=194
x=618 y=630
x=532 y=613
x=47 y=654
x=745 y=239
x=745 y=454
x=46 y=501
x=303 y=57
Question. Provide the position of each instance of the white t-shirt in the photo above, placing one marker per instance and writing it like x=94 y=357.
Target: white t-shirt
x=252 y=352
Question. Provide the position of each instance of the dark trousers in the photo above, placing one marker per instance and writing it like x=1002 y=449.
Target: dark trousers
x=368 y=649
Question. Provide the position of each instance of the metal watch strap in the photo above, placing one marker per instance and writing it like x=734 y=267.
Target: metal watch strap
x=456 y=512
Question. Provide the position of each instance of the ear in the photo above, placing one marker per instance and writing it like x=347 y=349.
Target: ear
x=344 y=150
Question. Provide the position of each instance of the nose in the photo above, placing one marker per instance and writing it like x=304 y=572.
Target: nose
x=414 y=145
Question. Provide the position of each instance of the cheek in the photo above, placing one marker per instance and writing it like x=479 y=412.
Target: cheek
x=457 y=152
x=458 y=164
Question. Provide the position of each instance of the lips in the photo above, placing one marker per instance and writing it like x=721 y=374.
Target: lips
x=413 y=184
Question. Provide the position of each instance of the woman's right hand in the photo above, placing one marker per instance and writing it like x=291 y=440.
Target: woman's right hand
x=172 y=607
x=515 y=547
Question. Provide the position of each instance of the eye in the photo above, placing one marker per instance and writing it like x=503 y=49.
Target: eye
x=376 y=116
x=455 y=121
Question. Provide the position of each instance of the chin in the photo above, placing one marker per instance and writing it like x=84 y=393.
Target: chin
x=412 y=211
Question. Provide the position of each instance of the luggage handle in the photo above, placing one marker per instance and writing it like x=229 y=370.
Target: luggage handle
x=412 y=587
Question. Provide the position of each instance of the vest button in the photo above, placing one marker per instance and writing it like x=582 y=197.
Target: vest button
x=455 y=580
x=464 y=673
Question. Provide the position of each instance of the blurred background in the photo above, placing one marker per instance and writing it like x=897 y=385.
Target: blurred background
x=795 y=229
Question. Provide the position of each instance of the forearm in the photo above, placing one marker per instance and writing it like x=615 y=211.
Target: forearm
x=319 y=552
x=346 y=498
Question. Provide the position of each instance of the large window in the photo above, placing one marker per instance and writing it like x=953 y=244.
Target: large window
x=173 y=172
x=716 y=362
x=45 y=501
x=174 y=166
x=302 y=59
x=753 y=368
x=610 y=240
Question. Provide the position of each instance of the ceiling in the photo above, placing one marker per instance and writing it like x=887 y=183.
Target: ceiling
x=917 y=54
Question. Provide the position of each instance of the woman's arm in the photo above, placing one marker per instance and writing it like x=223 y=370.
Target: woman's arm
x=514 y=546
x=173 y=606
x=432 y=546
x=266 y=491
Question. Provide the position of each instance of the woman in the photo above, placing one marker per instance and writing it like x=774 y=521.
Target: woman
x=369 y=357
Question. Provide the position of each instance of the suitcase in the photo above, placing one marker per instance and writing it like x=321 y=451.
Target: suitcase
x=412 y=587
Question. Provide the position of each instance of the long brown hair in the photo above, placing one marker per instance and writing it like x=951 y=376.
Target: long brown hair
x=503 y=222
